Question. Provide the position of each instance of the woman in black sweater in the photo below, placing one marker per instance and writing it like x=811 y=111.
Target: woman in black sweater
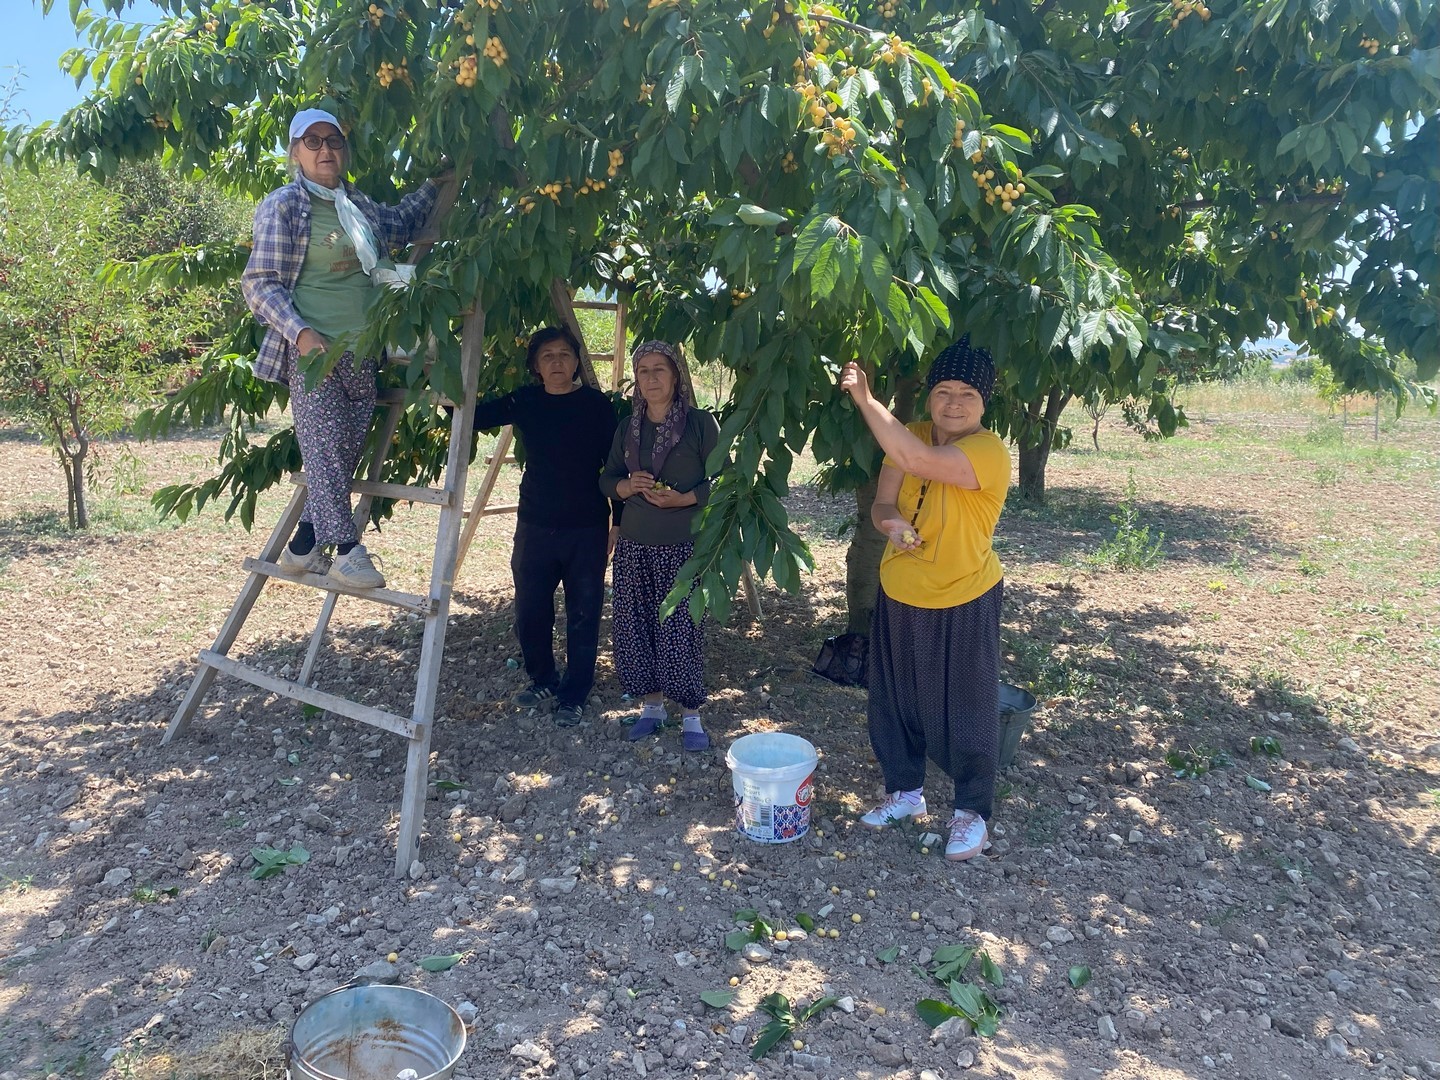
x=563 y=531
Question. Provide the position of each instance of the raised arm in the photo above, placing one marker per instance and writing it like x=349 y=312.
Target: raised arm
x=397 y=225
x=946 y=464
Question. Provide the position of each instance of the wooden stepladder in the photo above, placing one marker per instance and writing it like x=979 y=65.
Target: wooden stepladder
x=433 y=606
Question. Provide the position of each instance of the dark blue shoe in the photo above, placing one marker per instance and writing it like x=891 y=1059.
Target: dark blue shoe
x=644 y=727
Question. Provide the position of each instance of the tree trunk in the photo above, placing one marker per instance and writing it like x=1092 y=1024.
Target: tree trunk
x=862 y=563
x=72 y=443
x=867 y=544
x=74 y=466
x=1043 y=416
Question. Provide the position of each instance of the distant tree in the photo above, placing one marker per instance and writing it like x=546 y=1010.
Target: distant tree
x=81 y=352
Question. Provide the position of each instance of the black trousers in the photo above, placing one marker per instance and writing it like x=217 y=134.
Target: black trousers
x=542 y=560
x=935 y=692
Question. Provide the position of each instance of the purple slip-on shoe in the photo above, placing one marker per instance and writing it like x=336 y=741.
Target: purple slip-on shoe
x=644 y=727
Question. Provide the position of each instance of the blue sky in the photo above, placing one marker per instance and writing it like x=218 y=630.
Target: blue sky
x=34 y=43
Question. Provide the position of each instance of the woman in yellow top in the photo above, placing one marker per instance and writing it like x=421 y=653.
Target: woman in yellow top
x=935 y=639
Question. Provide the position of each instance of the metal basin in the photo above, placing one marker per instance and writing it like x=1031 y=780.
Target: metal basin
x=375 y=1033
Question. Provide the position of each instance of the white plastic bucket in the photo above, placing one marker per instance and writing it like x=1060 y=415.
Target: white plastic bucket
x=774 y=778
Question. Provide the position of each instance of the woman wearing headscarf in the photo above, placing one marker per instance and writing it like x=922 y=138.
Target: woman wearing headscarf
x=657 y=469
x=320 y=248
x=934 y=669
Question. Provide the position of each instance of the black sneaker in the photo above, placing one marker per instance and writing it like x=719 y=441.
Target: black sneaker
x=568 y=715
x=534 y=697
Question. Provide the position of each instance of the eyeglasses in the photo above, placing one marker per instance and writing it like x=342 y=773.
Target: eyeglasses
x=314 y=142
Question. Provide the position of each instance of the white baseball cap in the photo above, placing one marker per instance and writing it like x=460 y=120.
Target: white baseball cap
x=305 y=119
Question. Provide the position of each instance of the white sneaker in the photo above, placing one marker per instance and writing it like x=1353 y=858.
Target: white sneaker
x=896 y=808
x=356 y=569
x=313 y=561
x=968 y=836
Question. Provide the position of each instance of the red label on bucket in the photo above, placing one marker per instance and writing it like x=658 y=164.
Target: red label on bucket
x=804 y=792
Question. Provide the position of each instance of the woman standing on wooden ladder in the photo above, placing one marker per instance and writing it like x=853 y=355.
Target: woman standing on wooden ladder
x=935 y=637
x=320 y=249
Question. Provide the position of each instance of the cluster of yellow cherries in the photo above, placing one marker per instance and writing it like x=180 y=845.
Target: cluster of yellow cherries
x=389 y=72
x=1185 y=8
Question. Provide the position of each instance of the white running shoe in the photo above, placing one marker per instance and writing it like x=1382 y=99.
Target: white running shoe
x=313 y=561
x=356 y=569
x=897 y=807
x=968 y=836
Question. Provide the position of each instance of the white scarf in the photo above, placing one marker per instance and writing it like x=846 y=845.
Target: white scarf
x=355 y=224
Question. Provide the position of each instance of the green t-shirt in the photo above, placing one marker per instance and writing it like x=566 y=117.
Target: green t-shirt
x=333 y=294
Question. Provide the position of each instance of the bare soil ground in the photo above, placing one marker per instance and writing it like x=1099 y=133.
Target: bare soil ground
x=1249 y=913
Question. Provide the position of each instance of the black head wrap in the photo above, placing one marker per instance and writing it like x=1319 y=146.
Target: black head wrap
x=970 y=365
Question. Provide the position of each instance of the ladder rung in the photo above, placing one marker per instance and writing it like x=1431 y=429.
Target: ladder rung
x=595 y=305
x=608 y=357
x=499 y=508
x=508 y=459
x=421 y=605
x=408 y=492
x=320 y=699
x=394 y=395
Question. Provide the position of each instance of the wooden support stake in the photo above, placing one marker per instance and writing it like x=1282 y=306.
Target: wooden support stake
x=563 y=299
x=617 y=366
x=498 y=458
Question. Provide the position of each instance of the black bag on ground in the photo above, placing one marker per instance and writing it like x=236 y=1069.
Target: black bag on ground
x=842 y=659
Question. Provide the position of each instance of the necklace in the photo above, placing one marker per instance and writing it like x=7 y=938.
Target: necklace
x=924 y=490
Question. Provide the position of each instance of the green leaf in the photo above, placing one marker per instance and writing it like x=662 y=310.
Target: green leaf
x=751 y=214
x=825 y=269
x=816 y=233
x=675 y=89
x=1012 y=136
x=1079 y=976
x=1258 y=785
x=770 y=1034
x=888 y=956
x=746 y=915
x=778 y=1006
x=448 y=785
x=1290 y=140
x=875 y=270
x=805 y=922
x=717 y=999
x=934 y=1013
x=816 y=1007
x=738 y=939
x=990 y=971
x=441 y=963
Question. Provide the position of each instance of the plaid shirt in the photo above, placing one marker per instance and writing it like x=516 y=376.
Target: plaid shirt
x=282 y=236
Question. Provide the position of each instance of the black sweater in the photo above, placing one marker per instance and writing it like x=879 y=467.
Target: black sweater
x=566 y=439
